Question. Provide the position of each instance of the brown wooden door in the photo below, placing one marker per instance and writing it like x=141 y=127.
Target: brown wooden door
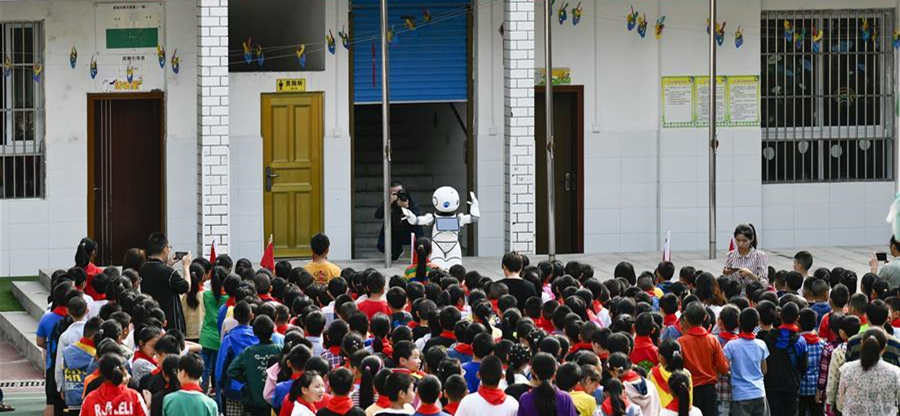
x=568 y=129
x=125 y=171
x=292 y=130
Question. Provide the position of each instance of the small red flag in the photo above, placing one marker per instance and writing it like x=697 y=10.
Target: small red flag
x=268 y=258
x=731 y=245
x=212 y=254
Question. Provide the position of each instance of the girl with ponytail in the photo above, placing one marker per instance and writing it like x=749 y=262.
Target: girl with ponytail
x=615 y=403
x=517 y=360
x=670 y=360
x=680 y=385
x=418 y=272
x=191 y=303
x=869 y=386
x=545 y=399
x=114 y=392
x=84 y=258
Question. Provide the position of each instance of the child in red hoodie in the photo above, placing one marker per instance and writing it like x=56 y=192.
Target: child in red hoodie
x=114 y=396
x=645 y=353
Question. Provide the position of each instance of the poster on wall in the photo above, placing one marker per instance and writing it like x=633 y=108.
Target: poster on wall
x=701 y=101
x=561 y=76
x=678 y=102
x=743 y=101
x=129 y=39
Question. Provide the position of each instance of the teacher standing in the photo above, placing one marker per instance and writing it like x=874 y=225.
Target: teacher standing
x=746 y=263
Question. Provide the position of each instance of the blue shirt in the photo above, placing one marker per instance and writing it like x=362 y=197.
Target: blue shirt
x=821 y=309
x=471 y=369
x=746 y=357
x=45 y=329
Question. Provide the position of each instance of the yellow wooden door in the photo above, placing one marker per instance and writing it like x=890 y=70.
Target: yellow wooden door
x=292 y=131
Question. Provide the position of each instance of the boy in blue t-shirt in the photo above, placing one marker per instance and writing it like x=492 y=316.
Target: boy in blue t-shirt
x=482 y=346
x=747 y=358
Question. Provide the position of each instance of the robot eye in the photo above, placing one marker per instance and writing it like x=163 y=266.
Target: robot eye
x=446 y=204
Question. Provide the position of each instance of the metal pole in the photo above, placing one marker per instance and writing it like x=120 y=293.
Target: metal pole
x=386 y=134
x=548 y=97
x=712 y=129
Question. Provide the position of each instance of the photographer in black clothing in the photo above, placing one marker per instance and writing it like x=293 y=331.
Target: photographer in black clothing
x=400 y=229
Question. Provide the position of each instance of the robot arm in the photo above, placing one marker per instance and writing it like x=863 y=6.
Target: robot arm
x=474 y=212
x=412 y=219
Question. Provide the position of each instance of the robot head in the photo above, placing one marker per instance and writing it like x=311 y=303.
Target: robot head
x=445 y=199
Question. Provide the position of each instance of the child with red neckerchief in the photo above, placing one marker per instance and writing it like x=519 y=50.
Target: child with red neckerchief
x=340 y=404
x=680 y=385
x=429 y=392
x=488 y=399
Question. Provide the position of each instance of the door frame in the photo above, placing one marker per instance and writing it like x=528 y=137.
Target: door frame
x=320 y=95
x=578 y=90
x=91 y=184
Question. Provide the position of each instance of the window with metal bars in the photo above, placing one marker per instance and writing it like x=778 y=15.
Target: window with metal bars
x=21 y=110
x=827 y=96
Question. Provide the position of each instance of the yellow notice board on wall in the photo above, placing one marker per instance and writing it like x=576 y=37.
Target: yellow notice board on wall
x=290 y=85
x=685 y=101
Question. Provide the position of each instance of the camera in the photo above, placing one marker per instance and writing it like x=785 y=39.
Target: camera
x=402 y=196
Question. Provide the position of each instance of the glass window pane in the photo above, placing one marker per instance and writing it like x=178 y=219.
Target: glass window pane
x=23 y=44
x=24 y=125
x=23 y=93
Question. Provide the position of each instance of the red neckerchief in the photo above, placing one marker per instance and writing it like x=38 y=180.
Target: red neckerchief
x=461 y=308
x=265 y=297
x=492 y=395
x=86 y=341
x=281 y=329
x=896 y=323
x=230 y=302
x=630 y=376
x=811 y=337
x=747 y=335
x=340 y=404
x=310 y=406
x=448 y=335
x=335 y=349
x=61 y=310
x=651 y=292
x=597 y=306
x=296 y=375
x=98 y=296
x=608 y=408
x=604 y=355
x=464 y=349
x=402 y=370
x=579 y=346
x=697 y=331
x=863 y=320
x=673 y=405
x=790 y=327
x=451 y=407
x=579 y=387
x=670 y=319
x=383 y=402
x=140 y=354
x=642 y=342
x=728 y=335
x=386 y=347
x=659 y=380
x=544 y=323
x=494 y=306
x=428 y=409
x=407 y=307
x=191 y=387
x=677 y=326
x=412 y=324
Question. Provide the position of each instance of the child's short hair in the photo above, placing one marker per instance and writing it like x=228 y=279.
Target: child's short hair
x=341 y=381
x=858 y=302
x=729 y=315
x=768 y=312
x=749 y=320
x=666 y=270
x=375 y=282
x=804 y=259
x=668 y=303
x=396 y=297
x=839 y=295
x=567 y=376
x=483 y=345
x=491 y=371
x=695 y=314
x=263 y=327
x=282 y=313
x=850 y=324
x=619 y=342
x=687 y=274
x=242 y=313
x=192 y=365
x=807 y=319
x=456 y=388
x=429 y=389
x=403 y=349
x=319 y=244
x=794 y=280
x=396 y=383
x=644 y=325
x=335 y=333
x=789 y=313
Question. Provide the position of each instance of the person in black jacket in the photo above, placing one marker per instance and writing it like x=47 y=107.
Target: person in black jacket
x=786 y=363
x=400 y=229
x=341 y=382
x=162 y=282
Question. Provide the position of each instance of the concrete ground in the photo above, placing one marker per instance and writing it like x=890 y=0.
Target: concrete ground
x=28 y=401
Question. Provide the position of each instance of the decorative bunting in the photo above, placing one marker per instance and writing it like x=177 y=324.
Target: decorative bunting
x=7 y=66
x=720 y=33
x=301 y=55
x=738 y=38
x=426 y=15
x=38 y=69
x=392 y=36
x=260 y=56
x=73 y=57
x=817 y=39
x=129 y=73
x=176 y=62
x=631 y=18
x=563 y=14
x=248 y=50
x=660 y=25
x=93 y=67
x=896 y=40
x=576 y=14
x=865 y=31
x=799 y=38
x=409 y=21
x=788 y=31
x=642 y=25
x=329 y=38
x=161 y=55
x=345 y=38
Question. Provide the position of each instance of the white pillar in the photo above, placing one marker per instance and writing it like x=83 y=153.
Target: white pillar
x=518 y=82
x=212 y=125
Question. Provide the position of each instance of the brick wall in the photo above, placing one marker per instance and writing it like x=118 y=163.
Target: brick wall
x=212 y=125
x=518 y=76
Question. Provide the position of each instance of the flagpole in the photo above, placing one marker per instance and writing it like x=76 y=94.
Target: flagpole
x=386 y=135
x=548 y=97
x=712 y=129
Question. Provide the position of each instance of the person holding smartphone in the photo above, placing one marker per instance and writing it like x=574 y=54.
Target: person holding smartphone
x=891 y=270
x=162 y=282
x=400 y=229
x=746 y=263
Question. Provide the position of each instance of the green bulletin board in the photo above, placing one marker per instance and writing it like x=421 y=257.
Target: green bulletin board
x=685 y=103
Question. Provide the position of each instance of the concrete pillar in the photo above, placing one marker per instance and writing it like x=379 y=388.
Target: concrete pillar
x=212 y=125
x=519 y=148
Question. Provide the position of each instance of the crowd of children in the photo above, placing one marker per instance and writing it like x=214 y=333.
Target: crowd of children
x=548 y=339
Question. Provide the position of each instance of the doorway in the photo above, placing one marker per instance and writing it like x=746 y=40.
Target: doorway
x=568 y=131
x=293 y=204
x=126 y=170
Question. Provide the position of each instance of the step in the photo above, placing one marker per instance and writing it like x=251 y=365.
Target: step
x=376 y=183
x=44 y=277
x=20 y=329
x=32 y=296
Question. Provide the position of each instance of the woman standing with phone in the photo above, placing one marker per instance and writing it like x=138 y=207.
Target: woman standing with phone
x=891 y=270
x=746 y=263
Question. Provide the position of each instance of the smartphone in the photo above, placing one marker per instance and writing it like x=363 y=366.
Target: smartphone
x=881 y=257
x=729 y=270
x=180 y=254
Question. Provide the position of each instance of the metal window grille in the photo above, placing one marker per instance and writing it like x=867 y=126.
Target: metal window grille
x=21 y=110
x=827 y=96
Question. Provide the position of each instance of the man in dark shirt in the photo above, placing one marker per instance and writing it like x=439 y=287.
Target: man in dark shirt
x=400 y=229
x=162 y=282
x=520 y=288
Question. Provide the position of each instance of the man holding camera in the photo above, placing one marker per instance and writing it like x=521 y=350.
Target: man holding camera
x=400 y=230
x=162 y=282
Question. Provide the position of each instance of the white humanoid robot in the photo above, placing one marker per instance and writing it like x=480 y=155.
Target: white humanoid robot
x=446 y=251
